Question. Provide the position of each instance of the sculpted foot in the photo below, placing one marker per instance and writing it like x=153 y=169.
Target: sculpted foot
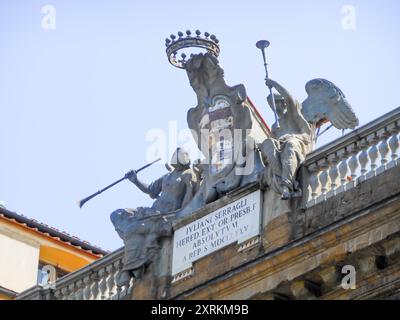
x=297 y=194
x=138 y=273
x=285 y=193
x=123 y=279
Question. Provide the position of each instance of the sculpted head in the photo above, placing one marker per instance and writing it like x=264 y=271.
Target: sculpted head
x=280 y=104
x=120 y=218
x=202 y=69
x=180 y=159
x=211 y=66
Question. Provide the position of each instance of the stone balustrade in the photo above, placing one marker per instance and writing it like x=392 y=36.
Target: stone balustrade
x=351 y=159
x=96 y=281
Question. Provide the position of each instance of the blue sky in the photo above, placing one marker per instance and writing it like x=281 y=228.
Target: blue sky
x=77 y=101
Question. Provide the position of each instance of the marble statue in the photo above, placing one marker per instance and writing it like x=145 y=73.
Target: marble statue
x=295 y=136
x=141 y=228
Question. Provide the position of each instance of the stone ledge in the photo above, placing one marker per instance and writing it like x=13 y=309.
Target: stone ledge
x=225 y=200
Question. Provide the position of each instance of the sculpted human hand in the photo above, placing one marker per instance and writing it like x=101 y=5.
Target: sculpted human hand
x=132 y=176
x=269 y=83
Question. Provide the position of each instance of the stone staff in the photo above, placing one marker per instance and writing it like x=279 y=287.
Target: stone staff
x=126 y=176
x=262 y=45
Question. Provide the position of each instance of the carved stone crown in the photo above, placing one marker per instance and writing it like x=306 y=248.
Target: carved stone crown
x=175 y=44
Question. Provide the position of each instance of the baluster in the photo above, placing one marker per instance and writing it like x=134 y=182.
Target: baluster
x=324 y=178
x=383 y=148
x=49 y=295
x=313 y=170
x=65 y=293
x=372 y=154
x=87 y=288
x=343 y=169
x=79 y=290
x=95 y=286
x=72 y=295
x=58 y=294
x=129 y=288
x=333 y=174
x=363 y=158
x=394 y=143
x=353 y=163
x=103 y=283
x=118 y=267
x=111 y=280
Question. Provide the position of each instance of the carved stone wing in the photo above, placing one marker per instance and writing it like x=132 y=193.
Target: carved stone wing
x=326 y=101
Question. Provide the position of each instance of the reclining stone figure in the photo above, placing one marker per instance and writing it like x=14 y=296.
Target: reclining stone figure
x=141 y=228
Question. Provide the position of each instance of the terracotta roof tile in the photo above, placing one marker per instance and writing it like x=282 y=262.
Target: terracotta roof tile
x=52 y=232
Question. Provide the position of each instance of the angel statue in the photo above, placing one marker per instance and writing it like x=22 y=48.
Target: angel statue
x=141 y=228
x=294 y=135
